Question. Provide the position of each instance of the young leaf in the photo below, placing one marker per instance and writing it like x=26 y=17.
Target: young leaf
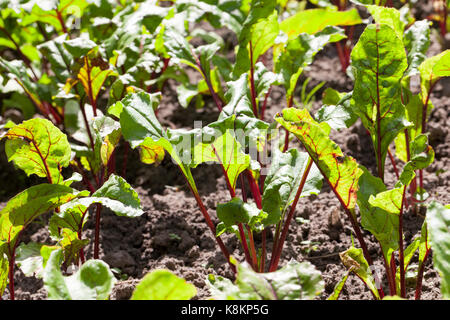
x=389 y=17
x=17 y=70
x=315 y=20
x=422 y=155
x=379 y=62
x=341 y=173
x=408 y=254
x=92 y=76
x=238 y=97
x=140 y=127
x=414 y=115
x=257 y=35
x=283 y=181
x=93 y=281
x=38 y=147
x=237 y=211
x=79 y=47
x=220 y=145
x=21 y=210
x=115 y=194
x=432 y=70
x=163 y=285
x=339 y=286
x=438 y=221
x=58 y=56
x=4 y=269
x=337 y=111
x=381 y=223
x=295 y=281
x=417 y=41
x=296 y=54
x=29 y=259
x=354 y=260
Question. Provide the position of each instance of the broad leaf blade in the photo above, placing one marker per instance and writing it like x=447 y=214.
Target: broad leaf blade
x=295 y=281
x=283 y=180
x=438 y=221
x=163 y=285
x=21 y=210
x=354 y=260
x=341 y=173
x=38 y=147
x=93 y=281
x=379 y=62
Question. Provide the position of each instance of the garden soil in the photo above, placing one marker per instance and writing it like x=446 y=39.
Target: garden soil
x=172 y=233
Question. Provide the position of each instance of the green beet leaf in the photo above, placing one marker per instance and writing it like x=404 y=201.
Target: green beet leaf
x=21 y=210
x=380 y=222
x=341 y=173
x=296 y=54
x=38 y=147
x=4 y=268
x=414 y=115
x=219 y=145
x=283 y=180
x=354 y=261
x=339 y=286
x=389 y=17
x=257 y=35
x=379 y=62
x=422 y=155
x=163 y=285
x=438 y=221
x=115 y=194
x=432 y=70
x=315 y=20
x=295 y=281
x=417 y=41
x=238 y=97
x=93 y=281
x=58 y=56
x=237 y=211
x=79 y=47
x=337 y=110
x=29 y=259
x=140 y=127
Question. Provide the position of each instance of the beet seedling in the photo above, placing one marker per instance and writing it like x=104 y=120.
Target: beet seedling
x=37 y=147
